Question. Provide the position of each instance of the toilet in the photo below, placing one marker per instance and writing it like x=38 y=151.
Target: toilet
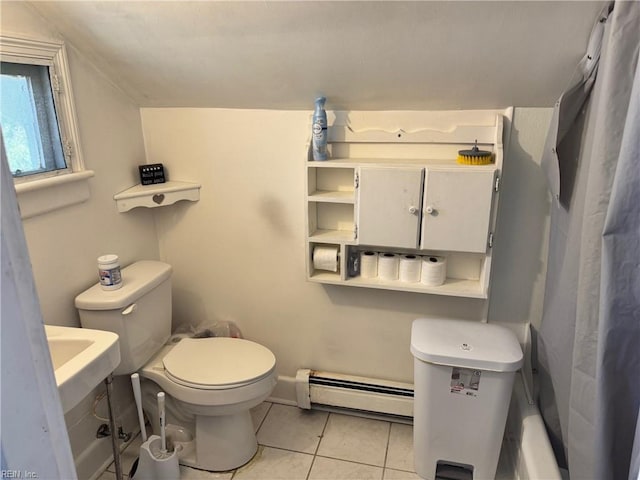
x=210 y=383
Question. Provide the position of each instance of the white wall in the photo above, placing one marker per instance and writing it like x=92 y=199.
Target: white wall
x=239 y=253
x=521 y=239
x=64 y=244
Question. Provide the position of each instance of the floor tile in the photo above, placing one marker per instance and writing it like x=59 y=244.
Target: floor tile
x=188 y=473
x=275 y=464
x=258 y=413
x=355 y=439
x=332 y=469
x=347 y=448
x=390 y=474
x=400 y=451
x=292 y=428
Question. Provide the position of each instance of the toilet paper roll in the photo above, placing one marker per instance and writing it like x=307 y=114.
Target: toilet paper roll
x=410 y=267
x=434 y=270
x=326 y=258
x=369 y=264
x=388 y=265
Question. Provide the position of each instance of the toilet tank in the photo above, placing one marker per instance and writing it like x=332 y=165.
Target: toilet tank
x=139 y=312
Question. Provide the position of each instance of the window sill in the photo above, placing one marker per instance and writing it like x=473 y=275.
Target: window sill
x=42 y=196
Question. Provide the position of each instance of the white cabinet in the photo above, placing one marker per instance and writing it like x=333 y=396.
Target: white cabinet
x=456 y=208
x=388 y=205
x=432 y=208
x=404 y=193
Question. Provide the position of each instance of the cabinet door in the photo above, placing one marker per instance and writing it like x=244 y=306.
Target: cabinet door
x=388 y=205
x=457 y=209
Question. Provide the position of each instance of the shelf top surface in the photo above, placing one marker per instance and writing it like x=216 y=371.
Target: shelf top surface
x=394 y=162
x=453 y=287
x=144 y=190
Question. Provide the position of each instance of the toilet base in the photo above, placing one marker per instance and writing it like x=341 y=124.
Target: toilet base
x=224 y=442
x=207 y=442
x=221 y=435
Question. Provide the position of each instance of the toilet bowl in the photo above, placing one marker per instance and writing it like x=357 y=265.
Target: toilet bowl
x=210 y=383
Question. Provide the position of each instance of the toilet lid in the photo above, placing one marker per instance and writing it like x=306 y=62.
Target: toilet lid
x=218 y=362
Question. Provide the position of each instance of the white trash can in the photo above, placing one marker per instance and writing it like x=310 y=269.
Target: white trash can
x=463 y=377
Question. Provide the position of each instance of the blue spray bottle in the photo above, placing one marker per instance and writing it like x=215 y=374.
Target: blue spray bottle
x=319 y=129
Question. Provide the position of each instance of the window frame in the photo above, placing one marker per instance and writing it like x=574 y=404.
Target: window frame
x=53 y=55
x=46 y=191
x=34 y=81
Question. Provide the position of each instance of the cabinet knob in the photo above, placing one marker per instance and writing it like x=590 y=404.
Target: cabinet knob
x=413 y=210
x=429 y=209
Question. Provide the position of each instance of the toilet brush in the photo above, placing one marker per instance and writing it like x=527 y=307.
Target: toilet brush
x=163 y=427
x=155 y=461
x=135 y=383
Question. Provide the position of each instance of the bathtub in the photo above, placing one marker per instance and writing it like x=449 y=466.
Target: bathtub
x=526 y=451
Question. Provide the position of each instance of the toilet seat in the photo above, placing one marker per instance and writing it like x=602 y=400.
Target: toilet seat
x=217 y=363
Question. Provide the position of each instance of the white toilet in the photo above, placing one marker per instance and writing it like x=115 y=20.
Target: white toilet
x=211 y=383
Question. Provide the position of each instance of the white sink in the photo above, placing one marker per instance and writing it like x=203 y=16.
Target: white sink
x=82 y=358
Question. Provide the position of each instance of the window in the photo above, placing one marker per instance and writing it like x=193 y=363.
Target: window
x=28 y=120
x=39 y=127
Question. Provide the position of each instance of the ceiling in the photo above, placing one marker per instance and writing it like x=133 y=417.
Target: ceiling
x=380 y=55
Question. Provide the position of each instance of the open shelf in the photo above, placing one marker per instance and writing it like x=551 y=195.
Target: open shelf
x=453 y=287
x=331 y=196
x=341 y=236
x=156 y=195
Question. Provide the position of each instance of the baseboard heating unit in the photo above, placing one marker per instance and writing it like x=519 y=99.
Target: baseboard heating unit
x=326 y=389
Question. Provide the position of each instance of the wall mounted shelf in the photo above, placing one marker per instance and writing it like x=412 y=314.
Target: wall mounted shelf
x=402 y=192
x=157 y=195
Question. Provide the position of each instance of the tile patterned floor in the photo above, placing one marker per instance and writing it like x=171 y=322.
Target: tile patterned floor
x=297 y=444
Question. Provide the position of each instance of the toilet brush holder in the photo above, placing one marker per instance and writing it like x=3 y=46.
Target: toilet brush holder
x=156 y=464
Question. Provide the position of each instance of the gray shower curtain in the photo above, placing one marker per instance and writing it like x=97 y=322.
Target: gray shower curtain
x=589 y=339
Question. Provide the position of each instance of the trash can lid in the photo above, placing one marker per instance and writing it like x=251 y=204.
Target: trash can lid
x=465 y=344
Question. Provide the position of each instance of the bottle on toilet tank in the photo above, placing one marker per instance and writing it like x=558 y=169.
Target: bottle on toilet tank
x=109 y=272
x=319 y=130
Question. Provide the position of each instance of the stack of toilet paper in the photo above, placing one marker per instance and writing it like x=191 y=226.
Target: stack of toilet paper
x=428 y=270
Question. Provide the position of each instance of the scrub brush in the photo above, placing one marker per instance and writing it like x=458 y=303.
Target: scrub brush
x=475 y=156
